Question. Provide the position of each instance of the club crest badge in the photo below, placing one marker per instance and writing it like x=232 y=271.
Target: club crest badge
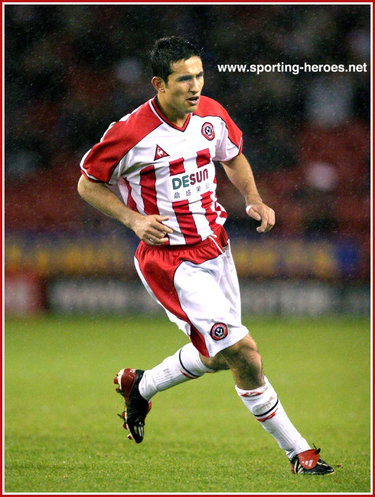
x=208 y=131
x=219 y=331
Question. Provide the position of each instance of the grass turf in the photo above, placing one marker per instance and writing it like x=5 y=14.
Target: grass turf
x=62 y=434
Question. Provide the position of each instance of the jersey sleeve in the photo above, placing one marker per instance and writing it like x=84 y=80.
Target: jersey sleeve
x=230 y=143
x=106 y=161
x=101 y=162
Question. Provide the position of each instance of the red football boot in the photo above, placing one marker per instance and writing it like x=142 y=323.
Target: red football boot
x=136 y=407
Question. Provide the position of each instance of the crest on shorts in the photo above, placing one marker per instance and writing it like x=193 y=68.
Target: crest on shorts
x=208 y=131
x=219 y=331
x=159 y=153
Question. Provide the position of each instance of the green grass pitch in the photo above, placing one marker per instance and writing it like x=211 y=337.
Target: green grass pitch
x=62 y=433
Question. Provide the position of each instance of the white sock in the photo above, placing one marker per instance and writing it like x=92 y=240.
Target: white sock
x=182 y=366
x=264 y=404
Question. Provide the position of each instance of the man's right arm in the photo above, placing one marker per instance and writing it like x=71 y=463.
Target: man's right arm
x=150 y=229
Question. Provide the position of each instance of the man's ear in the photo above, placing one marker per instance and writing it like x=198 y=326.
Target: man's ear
x=158 y=83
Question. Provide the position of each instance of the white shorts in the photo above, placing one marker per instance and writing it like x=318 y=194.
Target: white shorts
x=197 y=285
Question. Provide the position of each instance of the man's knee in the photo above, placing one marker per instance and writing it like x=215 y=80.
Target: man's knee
x=216 y=363
x=245 y=361
x=244 y=350
x=243 y=355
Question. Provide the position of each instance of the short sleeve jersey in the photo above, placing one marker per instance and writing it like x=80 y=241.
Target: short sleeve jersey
x=164 y=169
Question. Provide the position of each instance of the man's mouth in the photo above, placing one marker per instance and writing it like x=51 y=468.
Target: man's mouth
x=193 y=100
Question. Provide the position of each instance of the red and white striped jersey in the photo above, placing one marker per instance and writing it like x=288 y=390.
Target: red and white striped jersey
x=163 y=169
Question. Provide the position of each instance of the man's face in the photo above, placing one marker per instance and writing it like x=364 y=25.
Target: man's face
x=184 y=86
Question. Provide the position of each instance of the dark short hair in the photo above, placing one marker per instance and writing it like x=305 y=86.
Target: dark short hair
x=168 y=50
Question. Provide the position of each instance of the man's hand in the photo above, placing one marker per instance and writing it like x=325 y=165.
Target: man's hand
x=261 y=212
x=151 y=229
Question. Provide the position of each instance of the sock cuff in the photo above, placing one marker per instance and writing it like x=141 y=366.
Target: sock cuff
x=251 y=393
x=190 y=361
x=203 y=367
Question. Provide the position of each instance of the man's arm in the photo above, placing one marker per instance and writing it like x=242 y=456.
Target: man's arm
x=150 y=229
x=241 y=175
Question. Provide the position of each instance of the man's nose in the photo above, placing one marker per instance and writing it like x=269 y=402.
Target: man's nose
x=194 y=85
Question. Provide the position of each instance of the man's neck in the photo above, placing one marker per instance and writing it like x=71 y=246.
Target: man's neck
x=178 y=119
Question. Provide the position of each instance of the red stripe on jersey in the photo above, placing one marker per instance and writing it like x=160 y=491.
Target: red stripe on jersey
x=186 y=222
x=203 y=157
x=218 y=208
x=209 y=107
x=131 y=202
x=221 y=212
x=176 y=166
x=148 y=190
x=122 y=136
x=207 y=204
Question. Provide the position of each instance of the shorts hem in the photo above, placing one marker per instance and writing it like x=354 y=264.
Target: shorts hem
x=219 y=346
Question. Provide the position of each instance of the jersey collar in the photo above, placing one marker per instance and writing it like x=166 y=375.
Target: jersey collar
x=156 y=109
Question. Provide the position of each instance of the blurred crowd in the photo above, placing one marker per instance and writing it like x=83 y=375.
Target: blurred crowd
x=70 y=70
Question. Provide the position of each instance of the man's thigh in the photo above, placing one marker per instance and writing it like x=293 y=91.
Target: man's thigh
x=202 y=293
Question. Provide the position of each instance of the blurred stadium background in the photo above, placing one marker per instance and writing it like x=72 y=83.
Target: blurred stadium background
x=70 y=70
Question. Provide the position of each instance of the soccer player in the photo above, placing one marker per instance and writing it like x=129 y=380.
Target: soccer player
x=161 y=157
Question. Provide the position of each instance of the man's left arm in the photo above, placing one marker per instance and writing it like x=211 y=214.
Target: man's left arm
x=241 y=175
